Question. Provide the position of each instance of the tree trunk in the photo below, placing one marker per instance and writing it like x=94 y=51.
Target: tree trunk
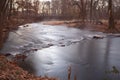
x=111 y=18
x=91 y=10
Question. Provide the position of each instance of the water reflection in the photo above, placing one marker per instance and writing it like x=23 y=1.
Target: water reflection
x=60 y=47
x=89 y=59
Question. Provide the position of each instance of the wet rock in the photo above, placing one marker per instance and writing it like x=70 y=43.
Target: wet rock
x=98 y=37
x=35 y=49
x=62 y=45
x=7 y=54
x=50 y=44
x=26 y=25
x=20 y=57
x=28 y=51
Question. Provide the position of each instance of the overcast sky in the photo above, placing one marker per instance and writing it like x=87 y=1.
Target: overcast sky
x=45 y=0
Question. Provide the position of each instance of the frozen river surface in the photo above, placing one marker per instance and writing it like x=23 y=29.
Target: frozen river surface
x=59 y=47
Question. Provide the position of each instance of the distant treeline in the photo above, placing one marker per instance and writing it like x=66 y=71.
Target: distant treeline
x=63 y=9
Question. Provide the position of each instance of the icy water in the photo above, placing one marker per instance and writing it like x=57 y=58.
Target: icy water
x=60 y=47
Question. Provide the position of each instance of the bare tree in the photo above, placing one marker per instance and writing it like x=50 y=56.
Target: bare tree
x=111 y=18
x=36 y=6
x=91 y=9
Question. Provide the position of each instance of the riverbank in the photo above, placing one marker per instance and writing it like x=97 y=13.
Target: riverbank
x=10 y=71
x=76 y=24
x=11 y=25
x=99 y=26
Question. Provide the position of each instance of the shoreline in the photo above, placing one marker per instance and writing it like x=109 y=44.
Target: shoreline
x=101 y=26
x=11 y=71
x=98 y=27
x=18 y=71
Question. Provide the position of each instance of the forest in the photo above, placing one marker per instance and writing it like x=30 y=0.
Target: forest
x=75 y=18
x=92 y=11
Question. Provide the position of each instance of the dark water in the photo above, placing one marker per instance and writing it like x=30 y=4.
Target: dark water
x=60 y=47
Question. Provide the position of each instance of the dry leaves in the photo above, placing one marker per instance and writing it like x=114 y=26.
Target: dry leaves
x=10 y=71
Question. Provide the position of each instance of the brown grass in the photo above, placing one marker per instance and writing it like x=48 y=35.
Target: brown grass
x=89 y=26
x=10 y=71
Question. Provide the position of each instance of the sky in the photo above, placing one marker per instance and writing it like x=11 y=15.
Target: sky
x=44 y=0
